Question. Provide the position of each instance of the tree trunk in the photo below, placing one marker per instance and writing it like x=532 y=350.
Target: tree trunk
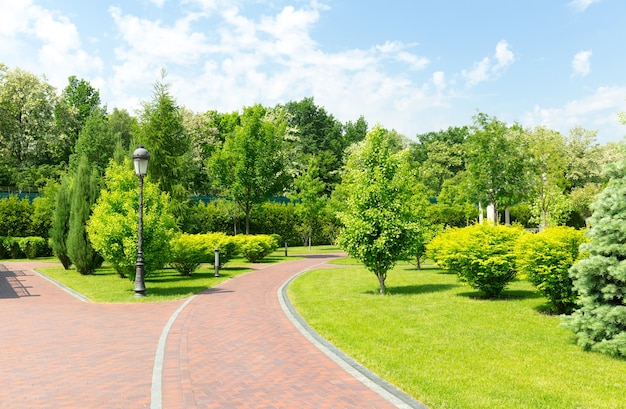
x=381 y=281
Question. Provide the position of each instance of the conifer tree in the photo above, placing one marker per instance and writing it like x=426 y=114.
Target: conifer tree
x=60 y=223
x=84 y=195
x=600 y=279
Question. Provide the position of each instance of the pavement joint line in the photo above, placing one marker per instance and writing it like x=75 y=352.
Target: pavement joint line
x=62 y=286
x=156 y=394
x=389 y=392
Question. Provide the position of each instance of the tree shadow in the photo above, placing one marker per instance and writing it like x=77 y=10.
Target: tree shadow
x=504 y=296
x=415 y=289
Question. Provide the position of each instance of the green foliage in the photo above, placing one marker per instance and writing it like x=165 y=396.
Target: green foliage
x=277 y=218
x=84 y=195
x=379 y=220
x=216 y=215
x=61 y=223
x=112 y=227
x=44 y=209
x=189 y=251
x=34 y=246
x=545 y=258
x=255 y=247
x=249 y=168
x=600 y=321
x=481 y=255
x=15 y=217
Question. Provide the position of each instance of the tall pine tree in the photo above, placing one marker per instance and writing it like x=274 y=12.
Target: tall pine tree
x=600 y=279
x=61 y=223
x=84 y=195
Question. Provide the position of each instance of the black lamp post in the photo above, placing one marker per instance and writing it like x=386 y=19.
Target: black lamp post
x=141 y=158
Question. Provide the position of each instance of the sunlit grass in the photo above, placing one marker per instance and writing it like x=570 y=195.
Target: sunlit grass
x=105 y=285
x=439 y=341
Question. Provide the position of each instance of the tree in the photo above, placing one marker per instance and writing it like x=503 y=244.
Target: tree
x=308 y=193
x=440 y=156
x=78 y=101
x=122 y=126
x=497 y=162
x=84 y=195
x=162 y=132
x=600 y=279
x=96 y=142
x=112 y=227
x=61 y=222
x=27 y=132
x=249 y=168
x=584 y=157
x=379 y=227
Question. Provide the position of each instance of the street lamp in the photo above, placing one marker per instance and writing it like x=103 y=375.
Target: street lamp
x=140 y=158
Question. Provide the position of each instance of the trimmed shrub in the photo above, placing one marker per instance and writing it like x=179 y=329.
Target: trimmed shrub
x=256 y=247
x=5 y=251
x=189 y=251
x=34 y=247
x=481 y=255
x=545 y=258
x=15 y=217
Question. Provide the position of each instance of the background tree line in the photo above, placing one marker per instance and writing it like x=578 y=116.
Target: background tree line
x=532 y=176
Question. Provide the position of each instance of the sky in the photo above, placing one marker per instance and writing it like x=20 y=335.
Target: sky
x=414 y=66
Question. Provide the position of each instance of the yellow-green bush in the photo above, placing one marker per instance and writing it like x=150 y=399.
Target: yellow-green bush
x=481 y=255
x=255 y=247
x=188 y=251
x=545 y=258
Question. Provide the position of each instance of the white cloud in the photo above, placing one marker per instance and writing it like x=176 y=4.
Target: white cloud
x=581 y=5
x=487 y=69
x=28 y=29
x=598 y=110
x=581 y=64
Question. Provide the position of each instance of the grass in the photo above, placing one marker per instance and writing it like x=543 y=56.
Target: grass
x=106 y=286
x=440 y=342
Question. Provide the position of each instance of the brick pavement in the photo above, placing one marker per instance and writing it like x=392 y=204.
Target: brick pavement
x=229 y=347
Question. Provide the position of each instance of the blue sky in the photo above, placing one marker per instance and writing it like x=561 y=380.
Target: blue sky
x=411 y=65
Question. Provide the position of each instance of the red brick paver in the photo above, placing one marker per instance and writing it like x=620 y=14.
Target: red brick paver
x=230 y=347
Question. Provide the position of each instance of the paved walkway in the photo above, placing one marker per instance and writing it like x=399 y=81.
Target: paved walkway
x=232 y=346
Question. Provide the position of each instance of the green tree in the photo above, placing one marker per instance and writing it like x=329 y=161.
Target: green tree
x=497 y=162
x=122 y=125
x=308 y=193
x=249 y=167
x=162 y=132
x=61 y=222
x=600 y=280
x=112 y=227
x=584 y=158
x=379 y=227
x=78 y=101
x=84 y=196
x=440 y=156
x=27 y=131
x=96 y=142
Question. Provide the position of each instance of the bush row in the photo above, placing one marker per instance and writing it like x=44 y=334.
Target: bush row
x=189 y=251
x=24 y=247
x=489 y=257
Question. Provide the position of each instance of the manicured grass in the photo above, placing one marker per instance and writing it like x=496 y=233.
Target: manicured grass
x=105 y=285
x=440 y=342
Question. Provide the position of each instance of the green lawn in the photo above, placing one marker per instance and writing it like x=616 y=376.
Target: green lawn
x=440 y=342
x=106 y=286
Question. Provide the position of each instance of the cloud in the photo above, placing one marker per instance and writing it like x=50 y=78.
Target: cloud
x=28 y=29
x=599 y=109
x=581 y=5
x=581 y=65
x=489 y=69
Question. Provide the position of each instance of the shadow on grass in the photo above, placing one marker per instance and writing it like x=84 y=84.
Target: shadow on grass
x=505 y=295
x=420 y=289
x=184 y=291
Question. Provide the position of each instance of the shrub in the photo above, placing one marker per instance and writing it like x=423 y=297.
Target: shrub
x=15 y=217
x=481 y=255
x=545 y=258
x=256 y=248
x=4 y=247
x=112 y=227
x=34 y=247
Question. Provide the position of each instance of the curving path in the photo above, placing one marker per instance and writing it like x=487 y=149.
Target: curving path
x=232 y=346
